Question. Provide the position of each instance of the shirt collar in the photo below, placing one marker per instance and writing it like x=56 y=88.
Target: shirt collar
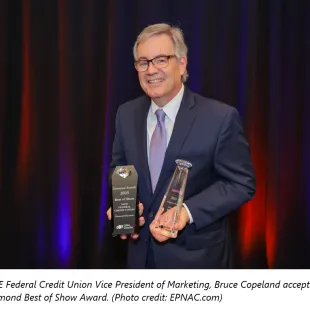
x=172 y=107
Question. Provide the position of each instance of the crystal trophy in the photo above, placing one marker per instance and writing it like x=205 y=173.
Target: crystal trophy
x=168 y=213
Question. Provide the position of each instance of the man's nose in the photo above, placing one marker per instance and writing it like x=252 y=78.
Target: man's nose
x=151 y=68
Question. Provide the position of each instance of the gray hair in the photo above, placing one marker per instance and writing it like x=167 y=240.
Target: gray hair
x=174 y=33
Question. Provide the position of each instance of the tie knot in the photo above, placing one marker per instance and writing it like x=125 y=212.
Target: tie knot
x=160 y=114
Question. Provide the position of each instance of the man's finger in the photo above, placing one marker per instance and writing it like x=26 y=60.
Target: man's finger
x=109 y=214
x=123 y=237
x=183 y=220
x=141 y=221
x=141 y=208
x=178 y=226
x=135 y=236
x=156 y=234
x=159 y=237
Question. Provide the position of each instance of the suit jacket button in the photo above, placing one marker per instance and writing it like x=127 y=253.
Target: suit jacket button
x=151 y=214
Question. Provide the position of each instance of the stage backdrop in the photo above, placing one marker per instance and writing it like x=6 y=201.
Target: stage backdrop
x=66 y=66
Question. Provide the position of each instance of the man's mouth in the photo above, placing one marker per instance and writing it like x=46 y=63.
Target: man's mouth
x=155 y=81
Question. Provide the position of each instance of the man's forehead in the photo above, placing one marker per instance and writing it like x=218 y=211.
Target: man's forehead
x=154 y=46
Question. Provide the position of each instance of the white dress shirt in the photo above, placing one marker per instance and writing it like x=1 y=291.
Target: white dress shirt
x=171 y=110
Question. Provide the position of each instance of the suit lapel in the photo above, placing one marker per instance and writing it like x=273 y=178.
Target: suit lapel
x=141 y=142
x=182 y=125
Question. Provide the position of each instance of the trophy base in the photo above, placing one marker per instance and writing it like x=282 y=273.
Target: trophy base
x=168 y=232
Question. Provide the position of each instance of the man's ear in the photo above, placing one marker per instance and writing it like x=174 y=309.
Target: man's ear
x=182 y=64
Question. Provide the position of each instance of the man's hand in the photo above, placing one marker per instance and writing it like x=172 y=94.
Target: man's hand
x=164 y=219
x=141 y=220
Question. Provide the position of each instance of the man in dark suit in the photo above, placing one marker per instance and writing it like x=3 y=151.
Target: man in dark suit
x=171 y=123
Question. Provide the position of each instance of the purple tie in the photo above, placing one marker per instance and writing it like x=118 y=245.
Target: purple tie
x=158 y=147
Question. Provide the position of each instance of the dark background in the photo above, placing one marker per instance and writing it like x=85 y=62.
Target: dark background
x=66 y=66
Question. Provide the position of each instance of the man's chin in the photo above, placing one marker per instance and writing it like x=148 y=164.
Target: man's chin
x=154 y=94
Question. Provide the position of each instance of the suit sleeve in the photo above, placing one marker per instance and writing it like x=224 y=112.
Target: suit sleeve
x=235 y=183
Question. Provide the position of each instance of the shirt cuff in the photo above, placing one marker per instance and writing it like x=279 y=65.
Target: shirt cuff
x=189 y=214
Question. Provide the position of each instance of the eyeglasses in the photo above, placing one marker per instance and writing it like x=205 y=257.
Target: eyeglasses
x=161 y=61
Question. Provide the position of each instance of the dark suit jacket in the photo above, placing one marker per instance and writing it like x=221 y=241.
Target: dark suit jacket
x=208 y=134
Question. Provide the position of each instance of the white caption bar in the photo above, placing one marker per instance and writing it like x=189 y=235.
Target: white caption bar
x=95 y=289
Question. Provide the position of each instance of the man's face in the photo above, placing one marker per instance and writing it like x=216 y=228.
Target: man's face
x=163 y=84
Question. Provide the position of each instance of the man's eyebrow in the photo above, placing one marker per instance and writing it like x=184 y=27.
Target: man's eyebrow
x=145 y=58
